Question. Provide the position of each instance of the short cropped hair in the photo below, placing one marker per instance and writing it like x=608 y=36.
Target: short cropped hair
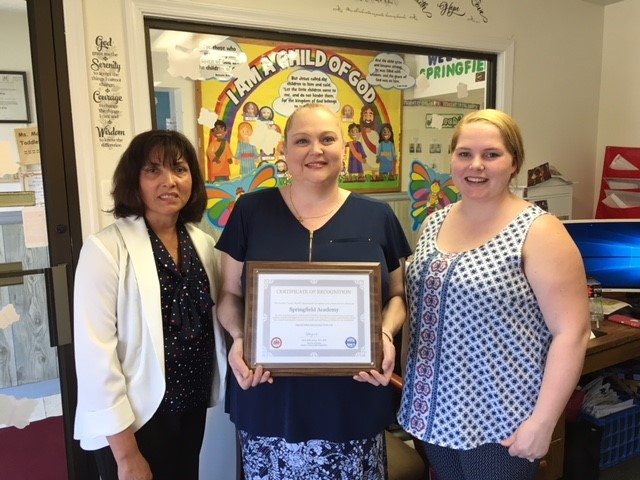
x=168 y=146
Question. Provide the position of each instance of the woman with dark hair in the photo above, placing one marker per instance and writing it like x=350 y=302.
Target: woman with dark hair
x=150 y=353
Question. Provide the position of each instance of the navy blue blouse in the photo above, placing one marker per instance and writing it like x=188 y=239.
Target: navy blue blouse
x=187 y=325
x=339 y=409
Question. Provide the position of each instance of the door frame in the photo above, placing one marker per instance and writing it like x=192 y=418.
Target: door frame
x=53 y=111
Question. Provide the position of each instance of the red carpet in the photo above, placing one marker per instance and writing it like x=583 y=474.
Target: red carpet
x=36 y=452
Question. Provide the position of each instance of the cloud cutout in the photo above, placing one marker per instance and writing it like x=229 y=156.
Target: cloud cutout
x=8 y=316
x=215 y=58
x=265 y=137
x=304 y=86
x=388 y=70
x=16 y=412
x=207 y=117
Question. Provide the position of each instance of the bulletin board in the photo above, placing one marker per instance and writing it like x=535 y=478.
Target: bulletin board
x=254 y=86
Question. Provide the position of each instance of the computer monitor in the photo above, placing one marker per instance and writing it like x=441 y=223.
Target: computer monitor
x=610 y=249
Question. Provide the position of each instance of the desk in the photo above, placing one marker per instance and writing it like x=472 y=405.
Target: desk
x=619 y=344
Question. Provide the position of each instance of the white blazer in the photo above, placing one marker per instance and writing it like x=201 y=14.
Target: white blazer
x=119 y=342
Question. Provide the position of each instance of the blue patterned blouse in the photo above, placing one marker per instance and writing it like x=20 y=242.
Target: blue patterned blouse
x=478 y=340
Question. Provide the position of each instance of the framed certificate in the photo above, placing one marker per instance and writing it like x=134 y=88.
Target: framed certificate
x=313 y=318
x=14 y=101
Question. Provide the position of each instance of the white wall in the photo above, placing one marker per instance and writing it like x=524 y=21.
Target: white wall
x=218 y=453
x=558 y=55
x=14 y=32
x=550 y=66
x=619 y=116
x=550 y=58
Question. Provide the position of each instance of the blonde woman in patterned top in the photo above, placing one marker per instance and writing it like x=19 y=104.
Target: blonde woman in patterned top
x=499 y=318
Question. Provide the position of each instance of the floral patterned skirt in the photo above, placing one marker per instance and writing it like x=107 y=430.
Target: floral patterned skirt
x=272 y=458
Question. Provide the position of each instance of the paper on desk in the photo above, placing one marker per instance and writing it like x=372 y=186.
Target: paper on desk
x=610 y=305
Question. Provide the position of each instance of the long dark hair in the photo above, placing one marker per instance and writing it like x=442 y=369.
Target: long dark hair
x=169 y=146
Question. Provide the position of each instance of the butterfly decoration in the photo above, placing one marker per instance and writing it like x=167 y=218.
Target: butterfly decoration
x=222 y=196
x=429 y=191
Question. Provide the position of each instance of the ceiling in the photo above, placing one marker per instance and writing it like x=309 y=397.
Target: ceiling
x=21 y=5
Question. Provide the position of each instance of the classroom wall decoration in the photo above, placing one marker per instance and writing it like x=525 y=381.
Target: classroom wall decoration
x=429 y=190
x=222 y=196
x=620 y=183
x=252 y=87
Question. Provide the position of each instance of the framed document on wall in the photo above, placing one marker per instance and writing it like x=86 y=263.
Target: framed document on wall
x=14 y=98
x=313 y=318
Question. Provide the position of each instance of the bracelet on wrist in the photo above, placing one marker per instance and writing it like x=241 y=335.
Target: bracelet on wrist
x=387 y=334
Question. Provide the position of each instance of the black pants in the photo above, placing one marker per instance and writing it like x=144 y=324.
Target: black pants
x=170 y=442
x=486 y=462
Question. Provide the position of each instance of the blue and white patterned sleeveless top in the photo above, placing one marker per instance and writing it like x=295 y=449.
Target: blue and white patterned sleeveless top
x=478 y=341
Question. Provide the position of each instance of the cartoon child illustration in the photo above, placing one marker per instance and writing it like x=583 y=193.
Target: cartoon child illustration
x=386 y=155
x=357 y=156
x=250 y=111
x=218 y=153
x=266 y=114
x=282 y=169
x=279 y=150
x=246 y=153
x=343 y=170
x=347 y=113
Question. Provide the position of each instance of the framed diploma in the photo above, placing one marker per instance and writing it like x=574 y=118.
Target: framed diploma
x=14 y=100
x=313 y=318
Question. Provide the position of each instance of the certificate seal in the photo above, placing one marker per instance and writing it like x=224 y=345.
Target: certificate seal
x=276 y=342
x=350 y=342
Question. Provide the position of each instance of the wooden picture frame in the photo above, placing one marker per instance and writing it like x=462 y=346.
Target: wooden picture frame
x=313 y=318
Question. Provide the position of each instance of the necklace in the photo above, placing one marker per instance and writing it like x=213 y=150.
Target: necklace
x=175 y=254
x=299 y=217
